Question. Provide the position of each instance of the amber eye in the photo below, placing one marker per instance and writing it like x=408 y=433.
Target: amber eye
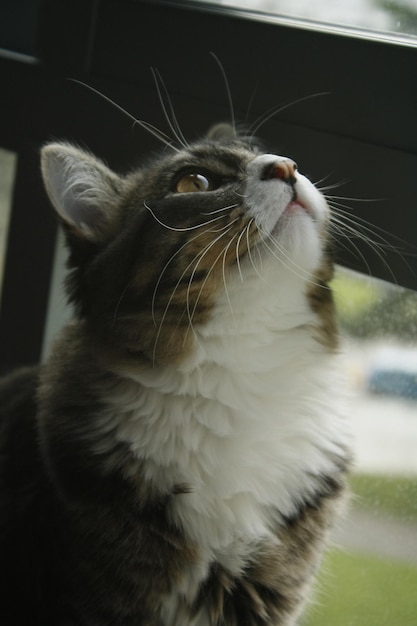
x=192 y=183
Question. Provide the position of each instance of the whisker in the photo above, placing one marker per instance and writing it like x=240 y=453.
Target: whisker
x=296 y=269
x=158 y=134
x=340 y=214
x=254 y=128
x=169 y=114
x=104 y=97
x=367 y=226
x=378 y=249
x=352 y=199
x=202 y=255
x=165 y=313
x=180 y=230
x=250 y=252
x=116 y=309
x=225 y=251
x=198 y=257
x=359 y=253
x=324 y=188
x=167 y=264
x=228 y=92
x=226 y=208
x=250 y=103
x=211 y=268
x=237 y=251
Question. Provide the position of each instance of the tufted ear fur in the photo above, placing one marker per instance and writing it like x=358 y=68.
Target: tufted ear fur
x=83 y=190
x=221 y=132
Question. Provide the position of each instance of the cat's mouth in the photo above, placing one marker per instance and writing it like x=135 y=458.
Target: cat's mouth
x=294 y=209
x=296 y=205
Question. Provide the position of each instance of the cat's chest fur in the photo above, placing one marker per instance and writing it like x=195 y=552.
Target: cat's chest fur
x=231 y=425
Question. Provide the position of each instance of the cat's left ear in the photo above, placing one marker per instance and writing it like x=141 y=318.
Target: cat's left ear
x=83 y=190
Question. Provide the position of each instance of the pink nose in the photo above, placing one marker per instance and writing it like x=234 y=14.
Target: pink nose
x=283 y=169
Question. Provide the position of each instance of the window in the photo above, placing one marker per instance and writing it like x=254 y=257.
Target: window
x=389 y=16
x=370 y=579
x=7 y=167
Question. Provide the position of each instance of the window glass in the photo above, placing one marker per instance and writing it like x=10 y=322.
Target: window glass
x=7 y=171
x=398 y=16
x=370 y=578
x=59 y=311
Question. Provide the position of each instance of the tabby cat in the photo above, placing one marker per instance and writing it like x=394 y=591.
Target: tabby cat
x=181 y=455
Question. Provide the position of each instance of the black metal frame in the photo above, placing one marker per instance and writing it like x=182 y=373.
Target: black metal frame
x=363 y=131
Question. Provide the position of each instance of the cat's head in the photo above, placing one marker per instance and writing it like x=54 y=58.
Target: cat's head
x=152 y=252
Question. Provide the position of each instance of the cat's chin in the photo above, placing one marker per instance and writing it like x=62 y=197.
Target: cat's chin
x=296 y=216
x=297 y=208
x=295 y=240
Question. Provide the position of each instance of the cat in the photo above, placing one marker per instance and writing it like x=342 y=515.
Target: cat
x=180 y=456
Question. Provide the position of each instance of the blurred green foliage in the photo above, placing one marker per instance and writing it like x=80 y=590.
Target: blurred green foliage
x=359 y=590
x=368 y=308
x=395 y=496
x=404 y=16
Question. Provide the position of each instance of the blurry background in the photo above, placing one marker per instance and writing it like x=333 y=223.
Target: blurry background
x=399 y=16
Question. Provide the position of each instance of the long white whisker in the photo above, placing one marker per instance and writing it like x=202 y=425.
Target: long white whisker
x=202 y=255
x=347 y=228
x=145 y=125
x=340 y=230
x=237 y=252
x=228 y=92
x=225 y=251
x=104 y=97
x=232 y=206
x=317 y=183
x=377 y=248
x=180 y=230
x=116 y=309
x=197 y=258
x=358 y=228
x=172 y=257
x=159 y=134
x=250 y=252
x=352 y=199
x=268 y=115
x=172 y=120
x=360 y=222
x=211 y=269
x=296 y=269
x=169 y=303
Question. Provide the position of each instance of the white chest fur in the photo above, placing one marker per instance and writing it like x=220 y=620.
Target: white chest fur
x=248 y=423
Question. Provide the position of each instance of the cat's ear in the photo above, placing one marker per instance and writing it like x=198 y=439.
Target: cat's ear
x=82 y=189
x=221 y=132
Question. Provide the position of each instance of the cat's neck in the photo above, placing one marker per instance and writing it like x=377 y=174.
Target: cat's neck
x=251 y=319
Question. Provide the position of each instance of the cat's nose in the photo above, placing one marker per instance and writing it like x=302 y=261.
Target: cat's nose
x=283 y=168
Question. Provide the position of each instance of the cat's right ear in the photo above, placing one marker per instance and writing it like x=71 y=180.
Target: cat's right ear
x=221 y=132
x=82 y=189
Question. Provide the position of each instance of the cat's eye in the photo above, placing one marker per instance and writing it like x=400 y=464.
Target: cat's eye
x=193 y=183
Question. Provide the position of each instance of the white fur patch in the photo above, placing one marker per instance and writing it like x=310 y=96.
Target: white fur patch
x=248 y=423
